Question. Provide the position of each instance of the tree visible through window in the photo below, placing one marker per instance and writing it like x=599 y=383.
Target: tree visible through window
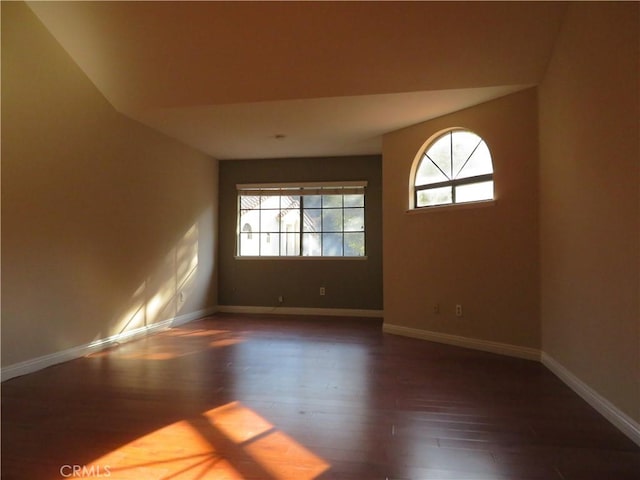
x=313 y=220
x=455 y=168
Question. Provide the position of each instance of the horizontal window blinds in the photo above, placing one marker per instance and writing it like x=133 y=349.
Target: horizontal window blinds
x=305 y=188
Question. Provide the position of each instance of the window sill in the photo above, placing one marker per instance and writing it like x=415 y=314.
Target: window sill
x=292 y=257
x=450 y=207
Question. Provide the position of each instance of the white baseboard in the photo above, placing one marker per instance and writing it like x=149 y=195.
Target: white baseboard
x=334 y=312
x=621 y=420
x=190 y=317
x=465 y=342
x=38 y=363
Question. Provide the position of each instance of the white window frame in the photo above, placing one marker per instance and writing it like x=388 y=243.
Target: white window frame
x=301 y=189
x=453 y=182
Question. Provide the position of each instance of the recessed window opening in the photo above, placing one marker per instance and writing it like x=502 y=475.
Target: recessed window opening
x=454 y=168
x=301 y=220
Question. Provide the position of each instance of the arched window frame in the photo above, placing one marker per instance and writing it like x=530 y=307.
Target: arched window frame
x=454 y=182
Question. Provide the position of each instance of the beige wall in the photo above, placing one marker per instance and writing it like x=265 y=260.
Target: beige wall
x=104 y=221
x=590 y=192
x=483 y=258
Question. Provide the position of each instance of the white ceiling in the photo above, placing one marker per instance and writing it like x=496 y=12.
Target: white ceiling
x=227 y=77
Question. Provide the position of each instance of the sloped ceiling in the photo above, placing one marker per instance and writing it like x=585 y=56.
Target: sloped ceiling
x=332 y=77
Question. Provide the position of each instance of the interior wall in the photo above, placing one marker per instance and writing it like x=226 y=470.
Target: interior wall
x=484 y=258
x=107 y=225
x=590 y=196
x=349 y=283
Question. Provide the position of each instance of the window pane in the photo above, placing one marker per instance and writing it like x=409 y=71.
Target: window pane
x=434 y=196
x=290 y=244
x=269 y=220
x=270 y=202
x=311 y=244
x=354 y=200
x=440 y=153
x=248 y=244
x=248 y=202
x=332 y=244
x=290 y=220
x=332 y=220
x=474 y=192
x=353 y=219
x=312 y=201
x=269 y=244
x=247 y=228
x=288 y=202
x=250 y=218
x=464 y=144
x=312 y=220
x=332 y=201
x=354 y=244
x=428 y=173
x=478 y=164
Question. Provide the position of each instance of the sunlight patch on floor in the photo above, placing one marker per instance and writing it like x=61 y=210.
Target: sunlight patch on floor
x=225 y=443
x=158 y=348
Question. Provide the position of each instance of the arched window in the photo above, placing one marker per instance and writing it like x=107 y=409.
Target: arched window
x=454 y=168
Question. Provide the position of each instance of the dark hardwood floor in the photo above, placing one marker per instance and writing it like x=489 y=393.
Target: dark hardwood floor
x=297 y=398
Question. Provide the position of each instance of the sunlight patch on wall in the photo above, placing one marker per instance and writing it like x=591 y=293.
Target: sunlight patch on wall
x=228 y=442
x=163 y=293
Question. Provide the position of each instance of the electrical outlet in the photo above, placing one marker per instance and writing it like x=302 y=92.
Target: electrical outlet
x=458 y=310
x=322 y=291
x=280 y=299
x=436 y=308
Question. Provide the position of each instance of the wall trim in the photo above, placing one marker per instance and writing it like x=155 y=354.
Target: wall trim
x=465 y=342
x=613 y=414
x=34 y=364
x=617 y=417
x=621 y=420
x=333 y=312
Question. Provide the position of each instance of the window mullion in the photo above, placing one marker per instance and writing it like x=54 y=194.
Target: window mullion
x=322 y=225
x=458 y=182
x=476 y=179
x=300 y=246
x=280 y=226
x=451 y=154
x=437 y=166
x=342 y=234
x=260 y=230
x=469 y=158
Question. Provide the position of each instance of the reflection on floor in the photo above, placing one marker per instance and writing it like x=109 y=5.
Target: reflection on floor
x=297 y=398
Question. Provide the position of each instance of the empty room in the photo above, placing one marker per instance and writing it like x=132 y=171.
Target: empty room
x=320 y=240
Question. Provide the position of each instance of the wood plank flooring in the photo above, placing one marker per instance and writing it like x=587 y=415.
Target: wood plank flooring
x=297 y=398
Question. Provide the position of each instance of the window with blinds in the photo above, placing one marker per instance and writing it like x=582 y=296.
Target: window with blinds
x=301 y=220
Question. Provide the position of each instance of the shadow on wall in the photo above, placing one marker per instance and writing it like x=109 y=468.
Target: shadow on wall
x=170 y=291
x=163 y=293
